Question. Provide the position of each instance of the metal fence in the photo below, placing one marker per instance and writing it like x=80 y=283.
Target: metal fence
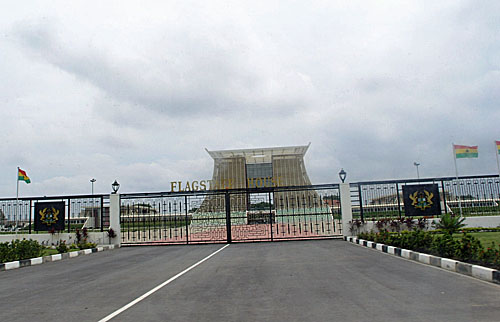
x=85 y=211
x=255 y=214
x=467 y=196
x=239 y=215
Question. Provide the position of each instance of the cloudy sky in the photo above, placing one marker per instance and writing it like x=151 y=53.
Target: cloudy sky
x=136 y=91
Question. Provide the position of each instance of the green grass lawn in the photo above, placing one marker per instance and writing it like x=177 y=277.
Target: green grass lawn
x=50 y=251
x=466 y=212
x=485 y=237
x=145 y=225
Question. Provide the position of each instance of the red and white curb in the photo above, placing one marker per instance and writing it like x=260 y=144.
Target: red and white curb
x=52 y=258
x=480 y=272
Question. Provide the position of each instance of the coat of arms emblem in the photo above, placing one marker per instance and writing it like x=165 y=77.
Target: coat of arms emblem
x=421 y=199
x=49 y=215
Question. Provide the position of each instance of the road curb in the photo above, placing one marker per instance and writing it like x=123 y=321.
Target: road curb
x=476 y=271
x=52 y=258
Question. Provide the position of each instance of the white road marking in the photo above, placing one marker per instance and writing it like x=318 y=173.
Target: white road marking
x=142 y=297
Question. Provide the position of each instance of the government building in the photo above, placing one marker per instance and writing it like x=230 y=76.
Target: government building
x=259 y=168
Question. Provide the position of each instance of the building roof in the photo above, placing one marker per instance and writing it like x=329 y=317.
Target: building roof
x=260 y=155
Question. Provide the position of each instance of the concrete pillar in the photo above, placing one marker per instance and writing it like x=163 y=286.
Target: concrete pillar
x=345 y=208
x=114 y=217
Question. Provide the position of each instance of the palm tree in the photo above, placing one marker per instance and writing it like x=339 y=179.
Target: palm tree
x=450 y=223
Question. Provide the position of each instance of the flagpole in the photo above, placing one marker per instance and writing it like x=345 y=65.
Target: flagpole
x=17 y=198
x=496 y=153
x=458 y=183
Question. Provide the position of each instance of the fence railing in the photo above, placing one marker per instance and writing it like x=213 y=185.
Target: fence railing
x=81 y=211
x=467 y=196
x=294 y=208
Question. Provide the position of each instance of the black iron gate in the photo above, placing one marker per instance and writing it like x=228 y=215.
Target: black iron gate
x=225 y=216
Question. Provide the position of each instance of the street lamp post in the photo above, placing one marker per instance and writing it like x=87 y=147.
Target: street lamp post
x=115 y=185
x=342 y=175
x=416 y=164
x=92 y=183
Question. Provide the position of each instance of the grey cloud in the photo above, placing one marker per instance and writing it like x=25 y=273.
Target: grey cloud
x=373 y=87
x=204 y=81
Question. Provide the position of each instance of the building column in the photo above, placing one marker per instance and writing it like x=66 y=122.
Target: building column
x=345 y=208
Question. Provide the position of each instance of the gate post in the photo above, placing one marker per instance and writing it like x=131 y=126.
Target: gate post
x=114 y=218
x=345 y=208
x=228 y=217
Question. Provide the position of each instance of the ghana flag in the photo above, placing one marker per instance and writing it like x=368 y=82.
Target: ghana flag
x=464 y=151
x=498 y=146
x=22 y=176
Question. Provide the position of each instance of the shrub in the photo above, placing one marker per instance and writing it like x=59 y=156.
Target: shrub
x=409 y=222
x=111 y=233
x=86 y=245
x=394 y=240
x=27 y=248
x=62 y=247
x=382 y=237
x=81 y=239
x=355 y=225
x=367 y=236
x=395 y=225
x=467 y=248
x=444 y=246
x=381 y=224
x=78 y=236
x=450 y=223
x=422 y=223
x=363 y=236
x=85 y=234
x=419 y=240
x=490 y=256
x=19 y=249
x=6 y=253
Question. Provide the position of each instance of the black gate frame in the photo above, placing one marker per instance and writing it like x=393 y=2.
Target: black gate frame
x=184 y=236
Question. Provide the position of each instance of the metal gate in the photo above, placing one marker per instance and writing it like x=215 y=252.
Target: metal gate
x=225 y=216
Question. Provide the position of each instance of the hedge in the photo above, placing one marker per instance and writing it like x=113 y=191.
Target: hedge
x=19 y=249
x=466 y=249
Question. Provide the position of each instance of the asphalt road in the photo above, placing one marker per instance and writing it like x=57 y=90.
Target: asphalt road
x=322 y=280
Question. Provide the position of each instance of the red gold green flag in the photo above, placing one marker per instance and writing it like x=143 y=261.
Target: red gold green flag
x=22 y=176
x=465 y=151
x=498 y=146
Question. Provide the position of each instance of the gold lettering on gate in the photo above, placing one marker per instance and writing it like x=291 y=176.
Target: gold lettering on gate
x=204 y=185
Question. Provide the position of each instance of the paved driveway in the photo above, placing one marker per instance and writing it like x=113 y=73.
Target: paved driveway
x=321 y=280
